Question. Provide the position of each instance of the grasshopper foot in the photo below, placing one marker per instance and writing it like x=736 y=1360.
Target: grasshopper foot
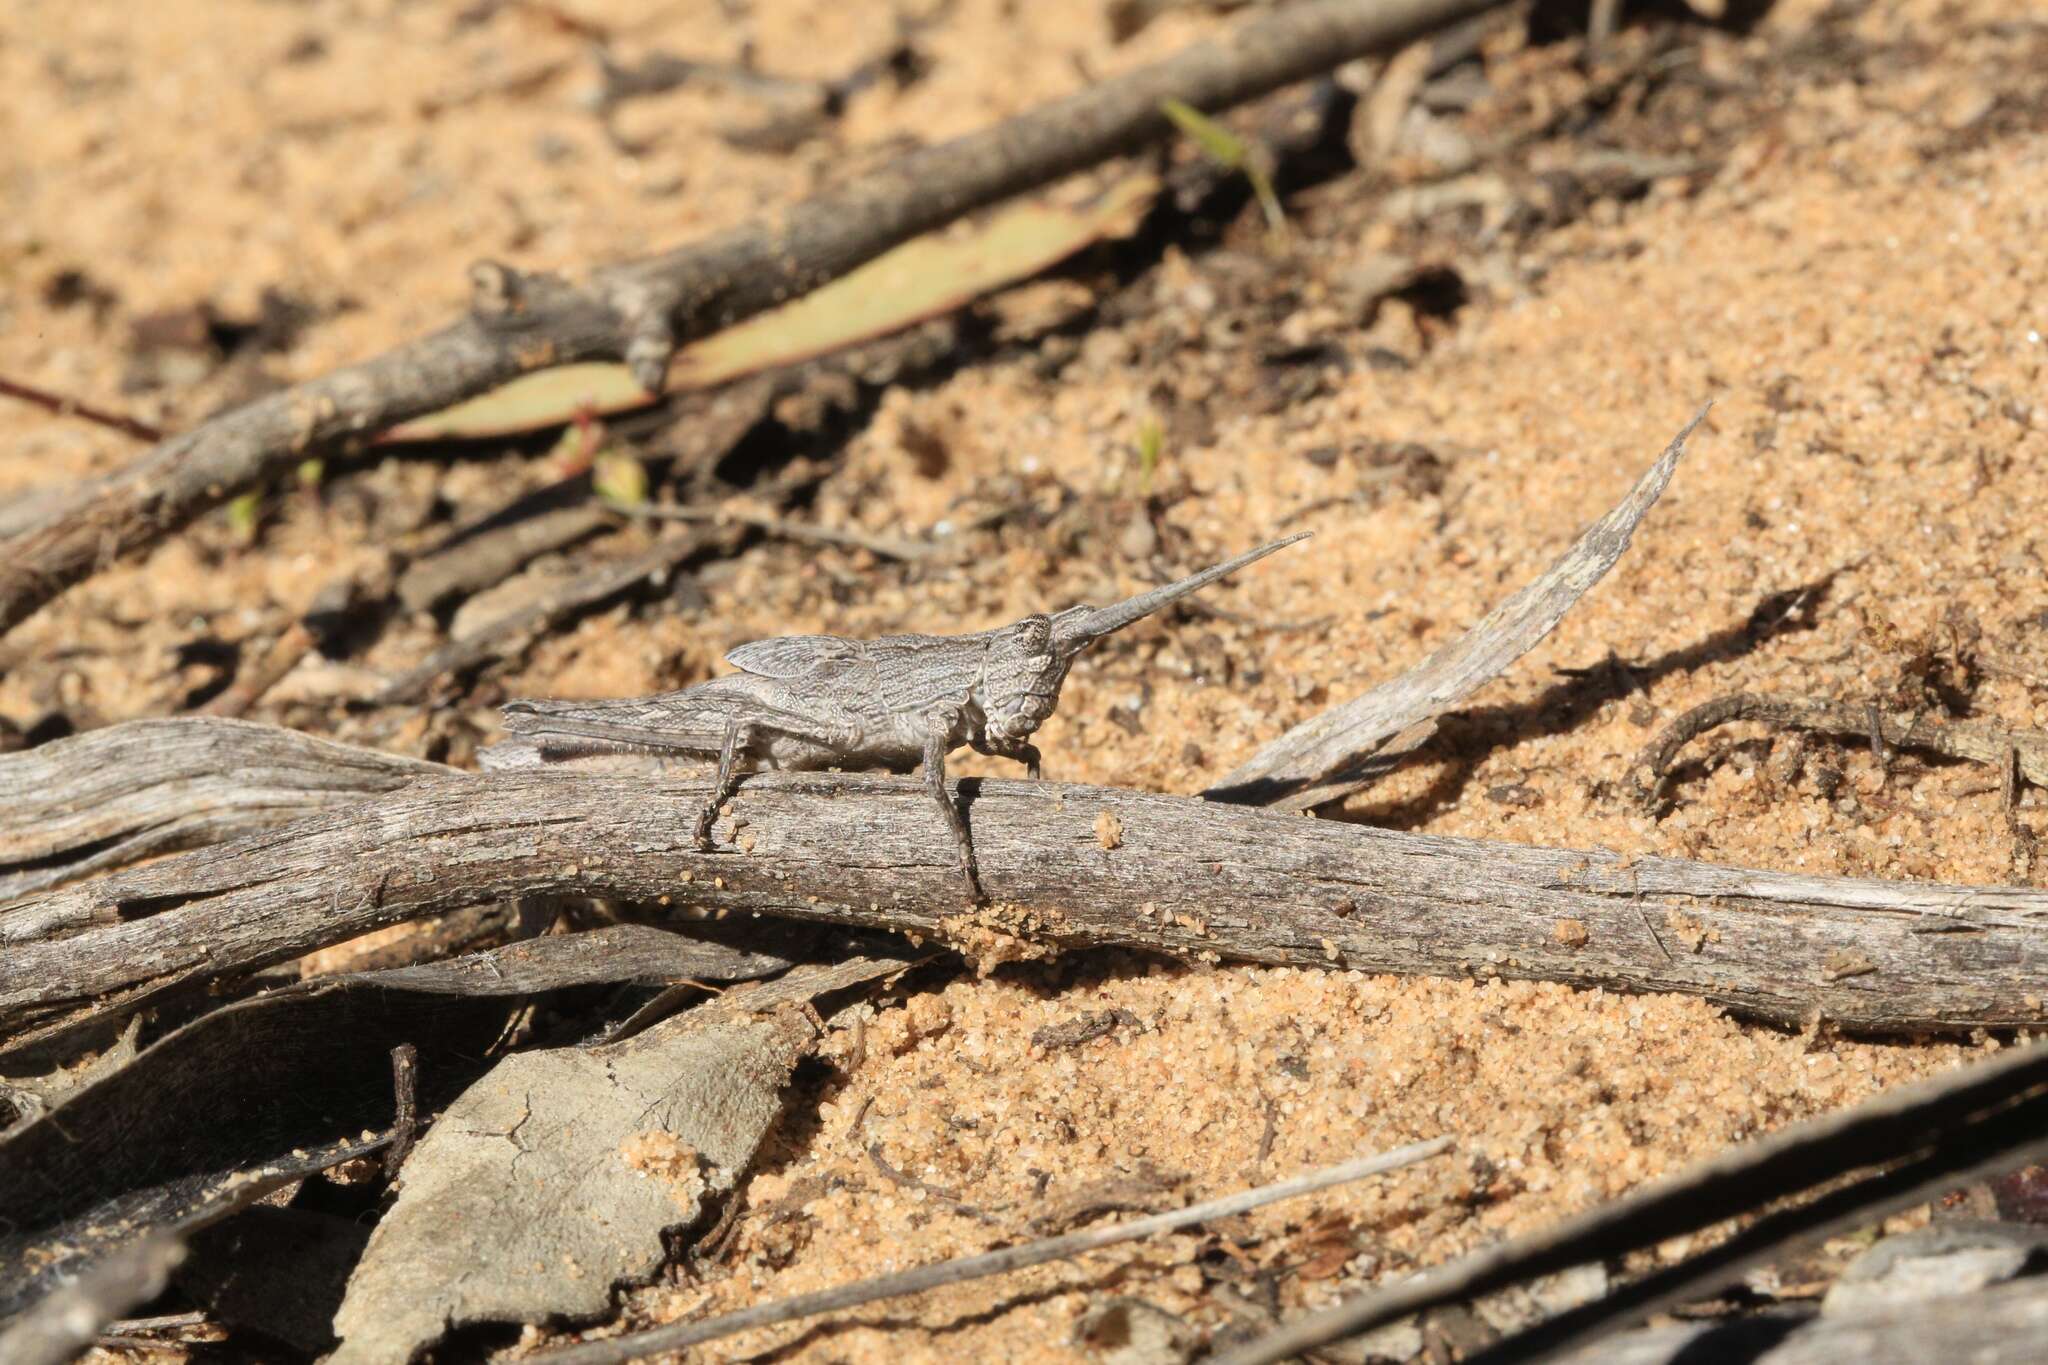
x=700 y=834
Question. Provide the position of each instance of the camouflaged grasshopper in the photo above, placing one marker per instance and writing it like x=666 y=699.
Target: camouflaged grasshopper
x=819 y=701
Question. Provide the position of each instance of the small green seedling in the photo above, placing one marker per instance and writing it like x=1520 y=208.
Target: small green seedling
x=1151 y=445
x=619 y=479
x=1231 y=152
x=243 y=515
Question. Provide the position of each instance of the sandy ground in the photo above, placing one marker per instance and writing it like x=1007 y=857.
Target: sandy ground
x=1857 y=282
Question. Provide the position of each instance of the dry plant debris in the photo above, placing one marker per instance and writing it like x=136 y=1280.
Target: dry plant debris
x=1529 y=247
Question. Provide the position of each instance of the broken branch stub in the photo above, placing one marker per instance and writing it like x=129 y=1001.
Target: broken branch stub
x=1348 y=746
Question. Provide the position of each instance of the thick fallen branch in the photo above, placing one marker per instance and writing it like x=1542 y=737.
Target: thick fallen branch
x=1859 y=1165
x=1191 y=878
x=619 y=1350
x=115 y=796
x=641 y=311
x=1347 y=746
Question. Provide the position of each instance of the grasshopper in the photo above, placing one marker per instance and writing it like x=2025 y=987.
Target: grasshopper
x=818 y=701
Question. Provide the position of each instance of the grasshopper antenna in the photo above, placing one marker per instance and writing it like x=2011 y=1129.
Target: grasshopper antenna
x=1080 y=627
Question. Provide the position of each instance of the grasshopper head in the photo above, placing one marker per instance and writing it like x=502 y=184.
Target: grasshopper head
x=1076 y=628
x=1021 y=677
x=1027 y=662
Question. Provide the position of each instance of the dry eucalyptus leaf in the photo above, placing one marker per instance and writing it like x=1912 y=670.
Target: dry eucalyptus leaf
x=924 y=278
x=555 y=1176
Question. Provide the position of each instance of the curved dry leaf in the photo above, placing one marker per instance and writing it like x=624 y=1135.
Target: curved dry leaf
x=1334 y=753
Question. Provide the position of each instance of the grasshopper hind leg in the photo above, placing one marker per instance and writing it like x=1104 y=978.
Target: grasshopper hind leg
x=738 y=736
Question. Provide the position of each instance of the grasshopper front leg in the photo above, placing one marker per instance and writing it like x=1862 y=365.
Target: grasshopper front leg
x=935 y=746
x=1022 y=752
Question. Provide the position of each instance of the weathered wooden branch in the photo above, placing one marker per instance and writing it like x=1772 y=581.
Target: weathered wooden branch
x=640 y=312
x=1187 y=877
x=112 y=797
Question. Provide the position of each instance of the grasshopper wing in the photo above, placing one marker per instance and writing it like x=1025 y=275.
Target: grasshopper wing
x=796 y=656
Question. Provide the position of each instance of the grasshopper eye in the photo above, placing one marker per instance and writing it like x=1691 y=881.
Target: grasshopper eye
x=1035 y=633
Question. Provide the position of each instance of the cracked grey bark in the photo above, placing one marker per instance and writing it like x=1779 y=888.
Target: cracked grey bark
x=112 y=797
x=641 y=311
x=1190 y=878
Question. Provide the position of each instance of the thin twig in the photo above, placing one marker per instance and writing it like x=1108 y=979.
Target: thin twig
x=65 y=406
x=2020 y=752
x=888 y=547
x=252 y=684
x=165 y=1322
x=910 y=1182
x=641 y=312
x=673 y=1338
x=405 y=1064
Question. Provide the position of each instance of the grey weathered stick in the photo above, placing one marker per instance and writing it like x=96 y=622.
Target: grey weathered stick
x=619 y=1350
x=1189 y=877
x=500 y=636
x=61 y=1326
x=818 y=701
x=493 y=555
x=114 y=796
x=1865 y=1162
x=1980 y=743
x=1333 y=754
x=887 y=547
x=642 y=311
